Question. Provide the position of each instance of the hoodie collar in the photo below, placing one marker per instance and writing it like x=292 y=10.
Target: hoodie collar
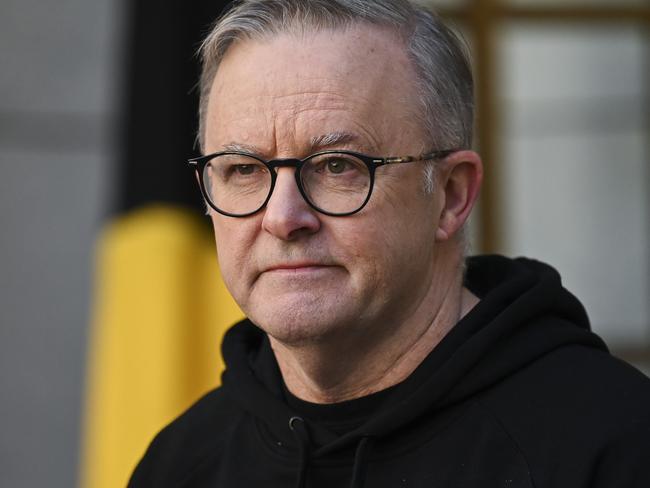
x=524 y=313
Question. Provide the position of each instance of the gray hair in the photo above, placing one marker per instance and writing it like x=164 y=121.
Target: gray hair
x=444 y=77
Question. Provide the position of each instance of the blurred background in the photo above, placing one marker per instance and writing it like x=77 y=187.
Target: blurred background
x=103 y=250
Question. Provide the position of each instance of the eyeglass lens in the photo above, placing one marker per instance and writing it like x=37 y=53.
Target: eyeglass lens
x=336 y=183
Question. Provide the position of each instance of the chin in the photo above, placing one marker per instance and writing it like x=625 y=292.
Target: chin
x=297 y=325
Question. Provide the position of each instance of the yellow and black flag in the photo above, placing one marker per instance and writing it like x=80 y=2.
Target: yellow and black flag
x=160 y=308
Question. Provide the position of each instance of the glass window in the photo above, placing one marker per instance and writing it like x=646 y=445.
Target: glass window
x=576 y=165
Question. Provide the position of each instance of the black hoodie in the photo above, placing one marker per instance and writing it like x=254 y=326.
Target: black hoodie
x=519 y=394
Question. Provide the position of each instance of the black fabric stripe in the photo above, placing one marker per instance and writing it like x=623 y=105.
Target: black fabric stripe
x=159 y=121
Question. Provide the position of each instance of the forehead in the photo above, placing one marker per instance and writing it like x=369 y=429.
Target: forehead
x=281 y=92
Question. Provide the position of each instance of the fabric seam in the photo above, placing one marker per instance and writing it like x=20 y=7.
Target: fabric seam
x=505 y=430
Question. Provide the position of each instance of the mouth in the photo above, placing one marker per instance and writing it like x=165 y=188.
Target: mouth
x=303 y=274
x=302 y=267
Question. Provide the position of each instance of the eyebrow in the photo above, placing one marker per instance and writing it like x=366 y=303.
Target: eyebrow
x=237 y=147
x=332 y=139
x=316 y=143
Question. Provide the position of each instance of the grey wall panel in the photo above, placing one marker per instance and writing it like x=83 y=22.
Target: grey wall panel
x=50 y=206
x=57 y=97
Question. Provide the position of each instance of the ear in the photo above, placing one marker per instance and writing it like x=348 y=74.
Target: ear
x=460 y=178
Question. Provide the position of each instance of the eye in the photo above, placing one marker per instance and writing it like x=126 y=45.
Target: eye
x=337 y=166
x=244 y=169
x=236 y=169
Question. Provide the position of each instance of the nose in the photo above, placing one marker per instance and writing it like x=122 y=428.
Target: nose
x=287 y=215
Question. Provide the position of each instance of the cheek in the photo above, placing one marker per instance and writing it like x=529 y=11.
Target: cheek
x=232 y=239
x=395 y=240
x=367 y=246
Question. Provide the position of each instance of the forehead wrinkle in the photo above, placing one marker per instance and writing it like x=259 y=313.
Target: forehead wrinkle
x=325 y=97
x=300 y=101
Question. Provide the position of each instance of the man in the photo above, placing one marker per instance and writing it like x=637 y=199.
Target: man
x=338 y=177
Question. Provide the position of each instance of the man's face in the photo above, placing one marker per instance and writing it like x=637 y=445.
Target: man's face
x=298 y=274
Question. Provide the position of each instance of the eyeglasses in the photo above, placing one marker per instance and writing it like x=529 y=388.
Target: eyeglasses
x=336 y=183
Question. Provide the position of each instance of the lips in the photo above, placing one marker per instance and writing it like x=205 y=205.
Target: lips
x=296 y=266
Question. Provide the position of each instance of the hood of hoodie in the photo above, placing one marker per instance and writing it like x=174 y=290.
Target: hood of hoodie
x=524 y=313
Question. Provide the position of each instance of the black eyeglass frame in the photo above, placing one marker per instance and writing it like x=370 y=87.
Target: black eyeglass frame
x=372 y=163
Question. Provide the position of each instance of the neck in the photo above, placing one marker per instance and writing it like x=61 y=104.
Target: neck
x=345 y=368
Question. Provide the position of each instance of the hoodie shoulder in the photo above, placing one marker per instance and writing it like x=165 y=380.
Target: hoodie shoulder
x=581 y=404
x=197 y=436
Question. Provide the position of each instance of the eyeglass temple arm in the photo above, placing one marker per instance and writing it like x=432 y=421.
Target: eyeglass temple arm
x=413 y=159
